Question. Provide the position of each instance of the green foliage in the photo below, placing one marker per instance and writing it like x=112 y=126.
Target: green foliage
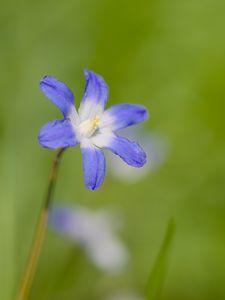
x=158 y=273
x=165 y=54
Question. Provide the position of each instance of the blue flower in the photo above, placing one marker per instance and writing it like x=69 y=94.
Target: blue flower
x=94 y=231
x=91 y=127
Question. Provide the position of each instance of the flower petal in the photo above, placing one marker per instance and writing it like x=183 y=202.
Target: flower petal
x=61 y=219
x=130 y=152
x=93 y=166
x=95 y=96
x=58 y=93
x=123 y=115
x=57 y=134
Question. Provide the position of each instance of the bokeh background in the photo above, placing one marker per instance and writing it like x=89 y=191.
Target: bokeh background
x=165 y=54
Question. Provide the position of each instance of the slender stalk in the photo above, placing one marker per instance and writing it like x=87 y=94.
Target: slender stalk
x=40 y=231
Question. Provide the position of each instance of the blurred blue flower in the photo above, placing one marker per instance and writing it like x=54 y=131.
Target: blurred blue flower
x=95 y=232
x=125 y=295
x=91 y=127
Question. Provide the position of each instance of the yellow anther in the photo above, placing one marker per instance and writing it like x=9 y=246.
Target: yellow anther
x=89 y=126
x=96 y=121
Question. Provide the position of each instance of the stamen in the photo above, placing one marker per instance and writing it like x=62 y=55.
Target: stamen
x=89 y=126
x=96 y=121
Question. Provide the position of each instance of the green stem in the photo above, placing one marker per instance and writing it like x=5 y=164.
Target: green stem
x=39 y=232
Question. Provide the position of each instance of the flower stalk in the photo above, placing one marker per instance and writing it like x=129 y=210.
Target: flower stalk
x=40 y=231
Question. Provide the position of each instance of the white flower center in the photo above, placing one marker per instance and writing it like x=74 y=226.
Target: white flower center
x=88 y=127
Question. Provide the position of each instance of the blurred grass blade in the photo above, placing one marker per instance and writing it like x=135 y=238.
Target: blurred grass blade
x=157 y=276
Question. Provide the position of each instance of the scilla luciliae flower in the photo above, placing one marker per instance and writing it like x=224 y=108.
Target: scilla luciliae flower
x=125 y=295
x=91 y=127
x=95 y=232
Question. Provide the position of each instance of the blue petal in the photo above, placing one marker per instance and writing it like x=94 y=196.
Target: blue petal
x=60 y=219
x=130 y=152
x=123 y=115
x=58 y=93
x=57 y=134
x=95 y=96
x=93 y=166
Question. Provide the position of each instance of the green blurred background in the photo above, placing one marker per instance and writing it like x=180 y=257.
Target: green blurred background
x=168 y=55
